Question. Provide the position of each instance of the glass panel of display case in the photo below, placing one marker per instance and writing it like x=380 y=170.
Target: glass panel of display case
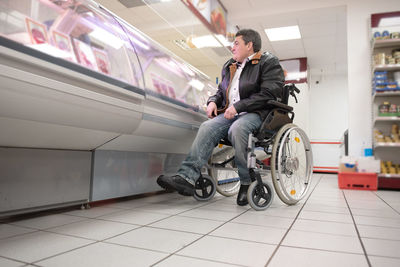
x=164 y=75
x=173 y=21
x=73 y=30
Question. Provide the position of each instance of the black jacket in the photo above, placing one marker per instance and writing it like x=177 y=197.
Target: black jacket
x=261 y=80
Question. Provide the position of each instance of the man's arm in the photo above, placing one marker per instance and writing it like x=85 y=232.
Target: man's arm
x=272 y=81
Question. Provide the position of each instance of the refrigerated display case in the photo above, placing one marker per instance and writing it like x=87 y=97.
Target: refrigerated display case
x=74 y=77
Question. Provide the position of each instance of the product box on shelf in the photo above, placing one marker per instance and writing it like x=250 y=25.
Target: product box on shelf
x=358 y=180
x=368 y=164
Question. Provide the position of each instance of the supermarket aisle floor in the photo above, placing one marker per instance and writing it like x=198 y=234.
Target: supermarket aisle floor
x=331 y=227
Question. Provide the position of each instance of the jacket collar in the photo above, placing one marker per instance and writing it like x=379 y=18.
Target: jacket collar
x=254 y=60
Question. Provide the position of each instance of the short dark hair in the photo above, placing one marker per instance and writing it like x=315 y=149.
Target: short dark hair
x=250 y=35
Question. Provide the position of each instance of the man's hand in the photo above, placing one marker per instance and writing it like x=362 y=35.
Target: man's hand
x=211 y=110
x=230 y=113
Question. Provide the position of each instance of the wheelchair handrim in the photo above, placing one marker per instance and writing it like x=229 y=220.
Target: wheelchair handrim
x=291 y=189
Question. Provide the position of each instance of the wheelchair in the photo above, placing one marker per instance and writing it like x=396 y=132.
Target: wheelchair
x=279 y=148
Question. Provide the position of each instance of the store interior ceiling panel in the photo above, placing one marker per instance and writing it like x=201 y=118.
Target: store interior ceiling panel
x=323 y=30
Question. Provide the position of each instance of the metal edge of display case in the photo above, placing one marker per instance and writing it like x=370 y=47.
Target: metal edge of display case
x=382 y=144
x=387 y=175
x=173 y=101
x=162 y=120
x=8 y=213
x=93 y=74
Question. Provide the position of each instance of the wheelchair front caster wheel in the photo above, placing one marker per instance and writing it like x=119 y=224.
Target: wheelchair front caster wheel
x=260 y=196
x=204 y=188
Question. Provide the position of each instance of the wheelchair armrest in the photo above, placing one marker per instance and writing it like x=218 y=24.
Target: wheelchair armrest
x=279 y=105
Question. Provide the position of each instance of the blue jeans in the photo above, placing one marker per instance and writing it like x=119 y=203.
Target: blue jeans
x=208 y=136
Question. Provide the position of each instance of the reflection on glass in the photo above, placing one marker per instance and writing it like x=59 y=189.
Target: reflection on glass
x=88 y=35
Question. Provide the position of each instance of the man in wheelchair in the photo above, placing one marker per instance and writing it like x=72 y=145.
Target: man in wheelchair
x=249 y=80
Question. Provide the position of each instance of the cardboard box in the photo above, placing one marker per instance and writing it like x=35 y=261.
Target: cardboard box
x=347 y=167
x=347 y=164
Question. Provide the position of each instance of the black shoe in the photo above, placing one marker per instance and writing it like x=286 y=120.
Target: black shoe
x=242 y=195
x=162 y=181
x=177 y=183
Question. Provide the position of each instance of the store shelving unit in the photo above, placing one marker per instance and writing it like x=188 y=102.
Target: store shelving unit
x=386 y=151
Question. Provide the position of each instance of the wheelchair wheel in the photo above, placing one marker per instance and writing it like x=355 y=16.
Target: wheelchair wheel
x=259 y=196
x=204 y=188
x=222 y=168
x=291 y=164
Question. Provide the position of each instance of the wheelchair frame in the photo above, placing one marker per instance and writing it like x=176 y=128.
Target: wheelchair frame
x=274 y=136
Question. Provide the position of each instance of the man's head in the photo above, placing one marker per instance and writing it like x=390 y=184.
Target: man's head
x=247 y=42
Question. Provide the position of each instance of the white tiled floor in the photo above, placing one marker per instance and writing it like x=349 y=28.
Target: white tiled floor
x=330 y=227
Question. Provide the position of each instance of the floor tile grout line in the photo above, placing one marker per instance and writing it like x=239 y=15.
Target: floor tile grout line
x=358 y=233
x=376 y=216
x=374 y=238
x=11 y=259
x=204 y=235
x=198 y=258
x=375 y=225
x=16 y=235
x=385 y=257
x=96 y=242
x=387 y=203
x=320 y=220
x=92 y=243
x=149 y=224
x=240 y=239
x=290 y=227
x=64 y=252
x=325 y=250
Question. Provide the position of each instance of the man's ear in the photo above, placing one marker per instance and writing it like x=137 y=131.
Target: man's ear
x=250 y=45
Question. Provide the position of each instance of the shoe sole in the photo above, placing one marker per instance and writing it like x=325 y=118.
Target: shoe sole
x=171 y=186
x=165 y=185
x=185 y=191
x=242 y=203
x=182 y=190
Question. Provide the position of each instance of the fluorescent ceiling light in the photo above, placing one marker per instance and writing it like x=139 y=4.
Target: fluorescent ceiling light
x=296 y=75
x=389 y=21
x=197 y=84
x=223 y=40
x=106 y=38
x=210 y=41
x=205 y=41
x=283 y=33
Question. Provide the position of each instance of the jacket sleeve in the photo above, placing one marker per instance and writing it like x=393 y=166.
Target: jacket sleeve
x=217 y=98
x=219 y=95
x=271 y=84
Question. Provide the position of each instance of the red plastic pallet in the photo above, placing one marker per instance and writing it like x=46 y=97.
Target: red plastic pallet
x=358 y=180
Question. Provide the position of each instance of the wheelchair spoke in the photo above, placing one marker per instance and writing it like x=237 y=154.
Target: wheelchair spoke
x=223 y=170
x=204 y=191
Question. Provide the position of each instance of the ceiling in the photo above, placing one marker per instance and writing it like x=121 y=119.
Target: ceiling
x=323 y=30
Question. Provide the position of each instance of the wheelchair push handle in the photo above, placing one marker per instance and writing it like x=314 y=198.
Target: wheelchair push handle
x=292 y=90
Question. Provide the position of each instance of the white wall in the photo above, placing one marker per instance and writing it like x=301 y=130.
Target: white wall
x=328 y=105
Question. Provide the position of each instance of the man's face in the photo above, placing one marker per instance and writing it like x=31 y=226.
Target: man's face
x=241 y=50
